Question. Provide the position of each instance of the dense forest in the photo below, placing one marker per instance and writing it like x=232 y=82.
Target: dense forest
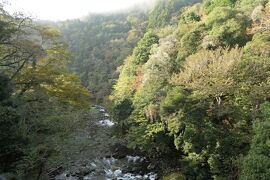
x=99 y=43
x=41 y=101
x=195 y=89
x=186 y=81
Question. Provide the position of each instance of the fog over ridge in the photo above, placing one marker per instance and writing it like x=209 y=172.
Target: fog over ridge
x=64 y=10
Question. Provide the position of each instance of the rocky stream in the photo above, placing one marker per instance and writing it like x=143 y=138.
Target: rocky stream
x=101 y=156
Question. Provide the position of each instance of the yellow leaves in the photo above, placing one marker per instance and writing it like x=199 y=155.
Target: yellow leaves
x=126 y=83
x=66 y=88
x=50 y=76
x=173 y=125
x=184 y=28
x=48 y=32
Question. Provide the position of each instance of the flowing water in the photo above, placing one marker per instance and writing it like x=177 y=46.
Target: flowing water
x=97 y=161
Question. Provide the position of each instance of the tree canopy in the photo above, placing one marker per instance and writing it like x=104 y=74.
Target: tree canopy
x=36 y=87
x=202 y=91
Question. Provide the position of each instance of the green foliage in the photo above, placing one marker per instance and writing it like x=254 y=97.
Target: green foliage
x=38 y=96
x=160 y=14
x=99 y=44
x=157 y=71
x=207 y=72
x=190 y=42
x=125 y=86
x=202 y=101
x=228 y=83
x=247 y=6
x=149 y=94
x=198 y=93
x=164 y=11
x=189 y=17
x=5 y=87
x=228 y=25
x=210 y=5
x=142 y=51
x=194 y=89
x=122 y=110
x=173 y=100
x=256 y=164
x=10 y=141
x=259 y=46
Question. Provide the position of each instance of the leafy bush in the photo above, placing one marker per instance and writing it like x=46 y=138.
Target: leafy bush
x=256 y=165
x=142 y=51
x=228 y=25
x=189 y=17
x=173 y=101
x=190 y=42
x=260 y=45
x=210 y=5
x=122 y=110
x=247 y=6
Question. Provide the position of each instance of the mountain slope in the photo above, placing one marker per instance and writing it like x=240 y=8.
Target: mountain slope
x=194 y=86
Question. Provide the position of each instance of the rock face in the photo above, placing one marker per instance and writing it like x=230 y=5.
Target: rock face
x=95 y=159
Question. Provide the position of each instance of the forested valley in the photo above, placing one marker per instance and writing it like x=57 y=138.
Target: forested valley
x=186 y=84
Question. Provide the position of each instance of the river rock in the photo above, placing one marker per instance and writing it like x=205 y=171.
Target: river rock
x=117 y=173
x=84 y=162
x=75 y=172
x=109 y=173
x=152 y=176
x=84 y=171
x=91 y=168
x=99 y=171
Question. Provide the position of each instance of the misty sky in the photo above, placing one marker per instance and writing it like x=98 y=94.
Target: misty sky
x=67 y=9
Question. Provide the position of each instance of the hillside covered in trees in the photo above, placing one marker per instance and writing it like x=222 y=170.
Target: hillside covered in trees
x=99 y=43
x=186 y=81
x=195 y=90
